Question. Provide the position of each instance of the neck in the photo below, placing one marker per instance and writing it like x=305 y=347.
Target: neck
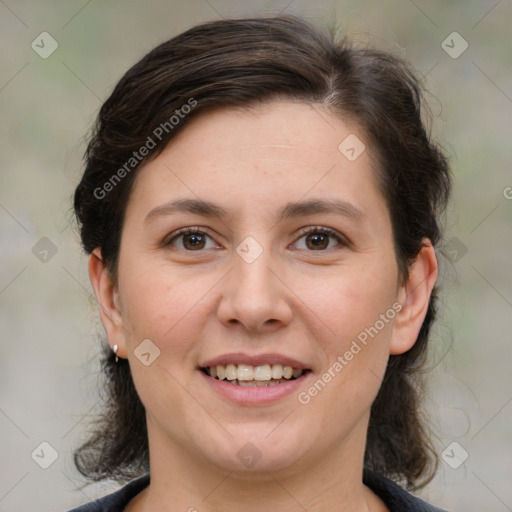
x=333 y=482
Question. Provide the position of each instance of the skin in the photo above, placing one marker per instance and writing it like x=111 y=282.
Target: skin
x=294 y=299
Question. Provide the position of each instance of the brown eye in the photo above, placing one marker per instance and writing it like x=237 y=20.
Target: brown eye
x=194 y=241
x=190 y=239
x=317 y=241
x=320 y=239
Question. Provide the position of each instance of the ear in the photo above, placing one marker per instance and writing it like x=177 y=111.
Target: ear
x=107 y=296
x=414 y=296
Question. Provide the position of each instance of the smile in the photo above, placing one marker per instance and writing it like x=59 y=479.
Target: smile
x=247 y=375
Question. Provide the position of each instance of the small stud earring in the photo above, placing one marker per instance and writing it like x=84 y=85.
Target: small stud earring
x=115 y=352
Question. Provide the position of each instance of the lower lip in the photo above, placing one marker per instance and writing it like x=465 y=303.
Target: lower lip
x=255 y=395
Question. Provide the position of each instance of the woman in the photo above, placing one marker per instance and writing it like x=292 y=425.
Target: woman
x=261 y=205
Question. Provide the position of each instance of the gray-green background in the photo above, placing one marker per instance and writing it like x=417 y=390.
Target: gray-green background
x=49 y=326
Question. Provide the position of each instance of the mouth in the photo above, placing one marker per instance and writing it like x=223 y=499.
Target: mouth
x=246 y=375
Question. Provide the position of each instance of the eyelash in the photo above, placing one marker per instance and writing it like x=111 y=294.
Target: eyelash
x=342 y=241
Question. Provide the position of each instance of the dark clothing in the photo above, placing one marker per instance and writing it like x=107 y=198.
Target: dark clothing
x=395 y=498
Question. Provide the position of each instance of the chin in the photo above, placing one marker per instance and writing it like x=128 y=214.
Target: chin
x=251 y=452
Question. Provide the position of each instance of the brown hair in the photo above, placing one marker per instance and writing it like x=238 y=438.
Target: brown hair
x=237 y=64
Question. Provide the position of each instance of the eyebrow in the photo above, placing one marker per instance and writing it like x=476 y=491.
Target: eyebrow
x=292 y=209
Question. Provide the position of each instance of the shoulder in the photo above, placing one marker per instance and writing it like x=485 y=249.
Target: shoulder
x=118 y=500
x=395 y=497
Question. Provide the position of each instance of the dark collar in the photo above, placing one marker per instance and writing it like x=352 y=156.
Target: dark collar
x=394 y=497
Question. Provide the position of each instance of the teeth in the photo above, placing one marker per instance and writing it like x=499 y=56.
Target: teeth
x=230 y=371
x=244 y=372
x=248 y=375
x=263 y=372
x=248 y=384
x=296 y=373
x=277 y=371
x=255 y=383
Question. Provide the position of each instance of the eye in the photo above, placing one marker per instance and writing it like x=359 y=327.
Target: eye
x=190 y=239
x=317 y=238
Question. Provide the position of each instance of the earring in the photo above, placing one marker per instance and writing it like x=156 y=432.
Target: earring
x=115 y=352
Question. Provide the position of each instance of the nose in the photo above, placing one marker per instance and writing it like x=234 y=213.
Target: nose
x=255 y=296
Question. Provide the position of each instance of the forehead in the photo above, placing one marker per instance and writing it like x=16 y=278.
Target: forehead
x=276 y=128
x=260 y=156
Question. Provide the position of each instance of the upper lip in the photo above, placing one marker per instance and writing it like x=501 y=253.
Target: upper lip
x=254 y=360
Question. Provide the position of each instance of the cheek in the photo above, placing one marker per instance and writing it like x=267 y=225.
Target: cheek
x=357 y=308
x=166 y=309
x=351 y=300
x=163 y=306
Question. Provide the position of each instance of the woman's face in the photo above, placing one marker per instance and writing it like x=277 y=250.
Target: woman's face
x=251 y=288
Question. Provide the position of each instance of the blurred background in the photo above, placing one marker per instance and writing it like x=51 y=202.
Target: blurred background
x=60 y=60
